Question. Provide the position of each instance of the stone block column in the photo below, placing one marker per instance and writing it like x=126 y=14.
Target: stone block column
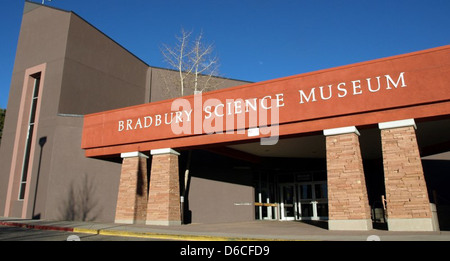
x=132 y=197
x=163 y=206
x=348 y=203
x=407 y=203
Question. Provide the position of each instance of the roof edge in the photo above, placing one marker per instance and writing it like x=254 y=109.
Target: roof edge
x=30 y=6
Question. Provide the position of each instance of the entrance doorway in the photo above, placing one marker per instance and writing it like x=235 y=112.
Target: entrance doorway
x=292 y=196
x=303 y=201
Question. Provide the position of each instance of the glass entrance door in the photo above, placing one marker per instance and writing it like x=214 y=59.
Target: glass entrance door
x=288 y=202
x=321 y=201
x=303 y=201
x=312 y=200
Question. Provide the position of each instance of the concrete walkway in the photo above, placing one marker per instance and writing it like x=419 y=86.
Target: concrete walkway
x=241 y=231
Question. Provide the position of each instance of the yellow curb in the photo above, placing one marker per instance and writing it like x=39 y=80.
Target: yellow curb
x=85 y=230
x=160 y=236
x=165 y=236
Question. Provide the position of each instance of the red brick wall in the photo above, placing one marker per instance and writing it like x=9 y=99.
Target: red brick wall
x=406 y=191
x=132 y=196
x=347 y=193
x=164 y=193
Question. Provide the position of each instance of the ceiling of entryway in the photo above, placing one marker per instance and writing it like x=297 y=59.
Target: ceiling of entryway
x=433 y=138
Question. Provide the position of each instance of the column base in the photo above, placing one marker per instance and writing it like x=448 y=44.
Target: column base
x=163 y=222
x=129 y=221
x=352 y=224
x=123 y=221
x=411 y=224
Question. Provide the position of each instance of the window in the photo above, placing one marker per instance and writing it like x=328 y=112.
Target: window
x=29 y=137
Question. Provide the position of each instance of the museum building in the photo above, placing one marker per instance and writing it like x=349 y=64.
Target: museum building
x=90 y=135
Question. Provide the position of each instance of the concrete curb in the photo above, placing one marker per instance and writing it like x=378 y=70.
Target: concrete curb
x=123 y=233
x=182 y=237
x=35 y=226
x=167 y=236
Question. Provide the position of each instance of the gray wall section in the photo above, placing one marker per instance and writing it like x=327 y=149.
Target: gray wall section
x=217 y=201
x=79 y=188
x=99 y=74
x=43 y=37
x=220 y=188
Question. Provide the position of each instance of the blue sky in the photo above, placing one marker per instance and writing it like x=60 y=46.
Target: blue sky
x=255 y=40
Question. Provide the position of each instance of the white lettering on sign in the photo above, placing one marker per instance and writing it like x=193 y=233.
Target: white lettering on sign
x=212 y=109
x=209 y=115
x=355 y=87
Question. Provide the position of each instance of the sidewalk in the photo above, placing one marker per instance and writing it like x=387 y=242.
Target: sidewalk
x=241 y=231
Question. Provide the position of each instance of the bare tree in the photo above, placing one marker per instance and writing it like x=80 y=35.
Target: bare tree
x=196 y=69
x=195 y=63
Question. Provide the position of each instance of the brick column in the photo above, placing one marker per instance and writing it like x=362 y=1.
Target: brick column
x=132 y=197
x=407 y=203
x=163 y=206
x=348 y=204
